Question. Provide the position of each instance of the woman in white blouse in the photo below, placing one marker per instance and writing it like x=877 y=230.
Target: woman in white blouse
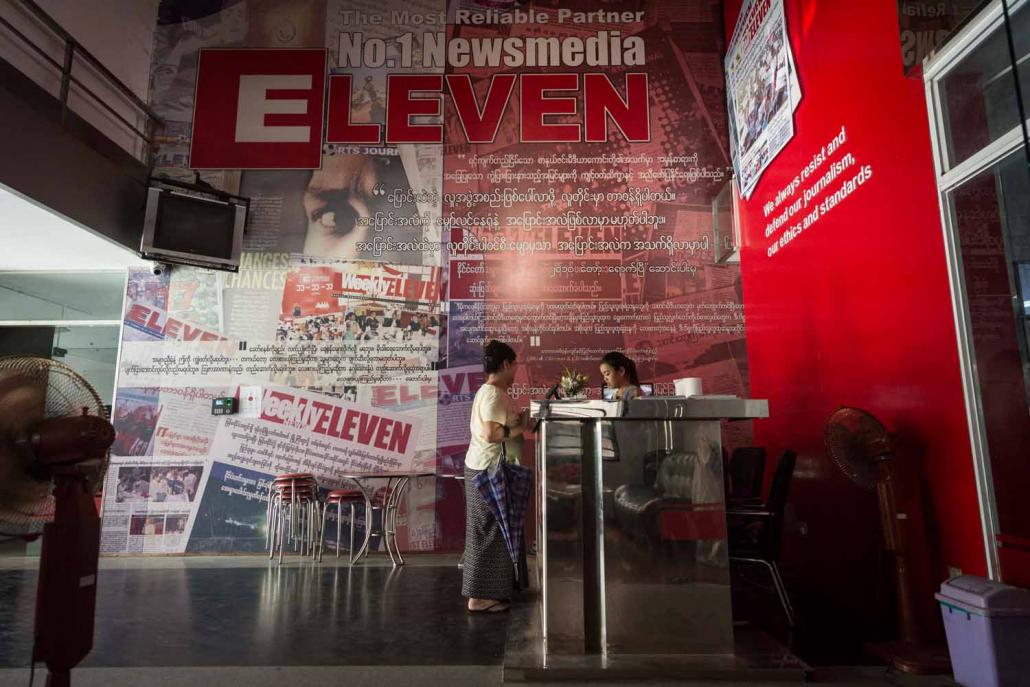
x=496 y=429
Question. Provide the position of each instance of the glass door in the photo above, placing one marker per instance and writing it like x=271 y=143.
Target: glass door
x=977 y=86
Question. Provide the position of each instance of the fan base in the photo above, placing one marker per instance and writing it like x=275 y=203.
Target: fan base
x=909 y=657
x=59 y=678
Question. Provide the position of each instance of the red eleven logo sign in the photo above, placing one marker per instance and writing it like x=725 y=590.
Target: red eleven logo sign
x=267 y=109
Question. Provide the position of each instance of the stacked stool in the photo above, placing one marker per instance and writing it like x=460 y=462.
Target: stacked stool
x=293 y=515
x=341 y=498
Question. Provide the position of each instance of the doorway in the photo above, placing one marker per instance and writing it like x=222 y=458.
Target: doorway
x=977 y=86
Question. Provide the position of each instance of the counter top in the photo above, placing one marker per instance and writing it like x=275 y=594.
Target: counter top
x=653 y=408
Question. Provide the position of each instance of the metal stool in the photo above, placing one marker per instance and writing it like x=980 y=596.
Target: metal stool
x=300 y=481
x=339 y=498
x=385 y=499
x=292 y=514
x=461 y=480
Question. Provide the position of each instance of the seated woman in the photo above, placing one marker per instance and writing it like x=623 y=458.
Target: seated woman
x=620 y=374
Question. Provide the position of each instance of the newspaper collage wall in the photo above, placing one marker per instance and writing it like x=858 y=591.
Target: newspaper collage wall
x=368 y=285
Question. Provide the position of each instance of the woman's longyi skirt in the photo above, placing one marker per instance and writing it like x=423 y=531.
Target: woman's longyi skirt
x=488 y=572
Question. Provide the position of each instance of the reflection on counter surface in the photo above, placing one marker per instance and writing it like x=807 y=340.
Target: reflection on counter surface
x=633 y=528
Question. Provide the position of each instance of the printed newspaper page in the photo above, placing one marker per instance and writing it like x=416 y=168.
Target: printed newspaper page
x=762 y=89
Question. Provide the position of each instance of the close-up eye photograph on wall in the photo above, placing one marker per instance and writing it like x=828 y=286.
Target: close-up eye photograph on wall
x=537 y=342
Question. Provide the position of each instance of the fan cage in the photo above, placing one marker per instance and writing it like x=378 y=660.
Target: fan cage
x=855 y=441
x=66 y=394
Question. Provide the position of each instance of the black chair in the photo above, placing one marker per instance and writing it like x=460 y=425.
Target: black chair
x=755 y=532
x=746 y=469
x=638 y=506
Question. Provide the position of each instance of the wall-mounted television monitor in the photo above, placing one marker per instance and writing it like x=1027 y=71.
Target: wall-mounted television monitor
x=193 y=227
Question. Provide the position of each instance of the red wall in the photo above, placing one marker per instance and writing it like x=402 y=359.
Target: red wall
x=856 y=310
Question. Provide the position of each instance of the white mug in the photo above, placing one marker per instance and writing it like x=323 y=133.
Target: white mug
x=688 y=386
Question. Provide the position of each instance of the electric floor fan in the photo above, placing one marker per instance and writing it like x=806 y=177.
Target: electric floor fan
x=861 y=448
x=54 y=442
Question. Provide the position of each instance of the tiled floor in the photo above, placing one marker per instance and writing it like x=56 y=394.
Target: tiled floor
x=390 y=676
x=194 y=622
x=253 y=614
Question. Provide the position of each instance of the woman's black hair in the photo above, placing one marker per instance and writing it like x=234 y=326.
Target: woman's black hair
x=495 y=354
x=619 y=361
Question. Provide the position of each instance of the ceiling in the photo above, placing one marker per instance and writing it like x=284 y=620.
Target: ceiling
x=62 y=295
x=34 y=238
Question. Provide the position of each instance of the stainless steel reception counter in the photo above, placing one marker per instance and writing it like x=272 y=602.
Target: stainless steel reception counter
x=632 y=555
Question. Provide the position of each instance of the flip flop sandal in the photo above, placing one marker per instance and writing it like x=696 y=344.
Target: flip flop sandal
x=496 y=607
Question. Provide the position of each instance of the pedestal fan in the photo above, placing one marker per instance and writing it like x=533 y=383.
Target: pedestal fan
x=862 y=450
x=54 y=441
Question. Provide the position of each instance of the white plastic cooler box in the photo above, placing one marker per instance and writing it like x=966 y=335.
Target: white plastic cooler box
x=988 y=627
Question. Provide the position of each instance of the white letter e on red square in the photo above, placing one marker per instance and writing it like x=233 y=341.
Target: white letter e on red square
x=258 y=109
